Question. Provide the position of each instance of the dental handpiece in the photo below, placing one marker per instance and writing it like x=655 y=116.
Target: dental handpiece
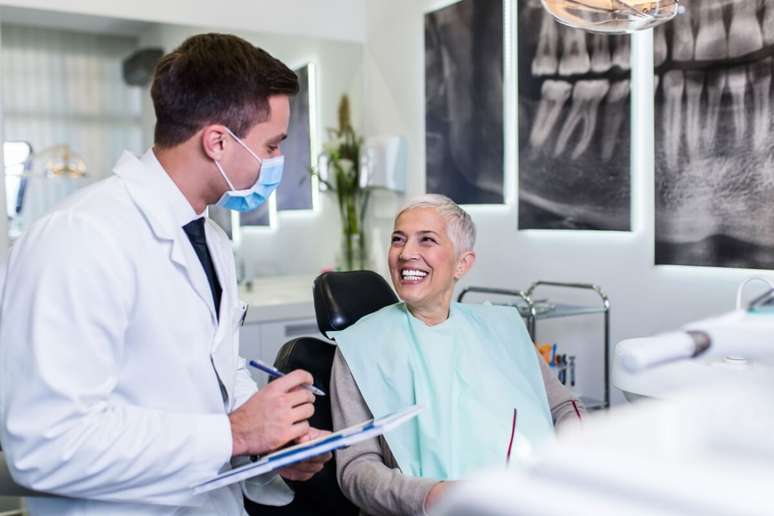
x=643 y=353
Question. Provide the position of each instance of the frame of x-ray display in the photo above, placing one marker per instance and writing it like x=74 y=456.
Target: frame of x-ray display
x=314 y=149
x=510 y=100
x=609 y=216
x=721 y=248
x=314 y=137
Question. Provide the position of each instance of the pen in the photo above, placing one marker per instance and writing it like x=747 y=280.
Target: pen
x=276 y=373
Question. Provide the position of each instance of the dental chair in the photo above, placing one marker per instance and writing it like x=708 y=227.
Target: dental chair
x=340 y=300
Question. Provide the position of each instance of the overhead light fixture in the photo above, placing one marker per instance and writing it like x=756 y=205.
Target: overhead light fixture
x=61 y=161
x=612 y=16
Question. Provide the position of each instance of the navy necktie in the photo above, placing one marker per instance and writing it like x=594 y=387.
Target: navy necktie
x=195 y=232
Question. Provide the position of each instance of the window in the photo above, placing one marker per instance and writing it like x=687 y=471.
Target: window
x=62 y=89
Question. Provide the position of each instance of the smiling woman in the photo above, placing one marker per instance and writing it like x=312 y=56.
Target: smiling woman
x=472 y=366
x=432 y=248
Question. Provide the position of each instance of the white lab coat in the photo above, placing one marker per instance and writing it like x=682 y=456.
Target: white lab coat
x=115 y=374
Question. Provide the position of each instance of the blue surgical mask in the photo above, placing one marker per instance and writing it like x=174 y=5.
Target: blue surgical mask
x=269 y=177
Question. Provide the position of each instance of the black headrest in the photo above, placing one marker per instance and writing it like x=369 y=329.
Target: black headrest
x=342 y=298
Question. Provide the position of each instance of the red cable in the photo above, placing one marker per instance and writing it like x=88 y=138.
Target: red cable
x=513 y=436
x=577 y=412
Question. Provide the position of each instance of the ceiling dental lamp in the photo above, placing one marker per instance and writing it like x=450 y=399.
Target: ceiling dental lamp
x=612 y=16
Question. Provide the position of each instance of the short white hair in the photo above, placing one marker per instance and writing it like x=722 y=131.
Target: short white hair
x=459 y=225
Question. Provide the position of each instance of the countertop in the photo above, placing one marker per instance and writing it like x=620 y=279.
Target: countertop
x=278 y=298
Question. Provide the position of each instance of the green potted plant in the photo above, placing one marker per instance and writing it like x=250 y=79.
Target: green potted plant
x=339 y=170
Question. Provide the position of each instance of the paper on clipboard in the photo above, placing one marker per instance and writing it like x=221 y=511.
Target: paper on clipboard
x=307 y=450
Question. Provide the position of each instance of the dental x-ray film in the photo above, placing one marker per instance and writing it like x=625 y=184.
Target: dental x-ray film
x=464 y=102
x=573 y=125
x=295 y=191
x=714 y=140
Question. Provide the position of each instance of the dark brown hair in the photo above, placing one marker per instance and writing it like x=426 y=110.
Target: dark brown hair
x=215 y=79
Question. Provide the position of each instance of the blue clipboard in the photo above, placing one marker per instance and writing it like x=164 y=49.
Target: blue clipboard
x=307 y=450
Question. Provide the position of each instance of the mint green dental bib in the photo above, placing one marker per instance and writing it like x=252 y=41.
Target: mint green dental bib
x=469 y=373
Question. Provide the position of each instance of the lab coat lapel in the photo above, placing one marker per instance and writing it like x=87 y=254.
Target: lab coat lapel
x=144 y=188
x=226 y=306
x=194 y=270
x=225 y=343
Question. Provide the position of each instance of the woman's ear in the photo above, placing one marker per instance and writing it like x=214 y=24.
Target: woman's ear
x=464 y=263
x=214 y=141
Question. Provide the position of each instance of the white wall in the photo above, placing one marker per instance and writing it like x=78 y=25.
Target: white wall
x=334 y=19
x=645 y=299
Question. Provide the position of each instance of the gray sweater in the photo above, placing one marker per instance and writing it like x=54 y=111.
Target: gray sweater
x=368 y=473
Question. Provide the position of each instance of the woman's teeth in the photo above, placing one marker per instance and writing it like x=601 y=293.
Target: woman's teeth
x=412 y=274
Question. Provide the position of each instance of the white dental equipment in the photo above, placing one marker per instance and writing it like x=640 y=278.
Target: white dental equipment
x=703 y=453
x=732 y=345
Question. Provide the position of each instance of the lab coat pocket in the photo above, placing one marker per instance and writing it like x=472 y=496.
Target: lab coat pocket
x=225 y=356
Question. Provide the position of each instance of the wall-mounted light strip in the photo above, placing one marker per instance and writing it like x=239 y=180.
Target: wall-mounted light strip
x=314 y=131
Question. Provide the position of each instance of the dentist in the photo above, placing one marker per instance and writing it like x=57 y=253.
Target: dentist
x=120 y=381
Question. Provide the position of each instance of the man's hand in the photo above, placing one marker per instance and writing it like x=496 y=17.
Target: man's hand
x=273 y=416
x=303 y=471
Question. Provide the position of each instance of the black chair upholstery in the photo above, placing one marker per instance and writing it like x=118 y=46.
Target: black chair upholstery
x=316 y=356
x=321 y=494
x=340 y=299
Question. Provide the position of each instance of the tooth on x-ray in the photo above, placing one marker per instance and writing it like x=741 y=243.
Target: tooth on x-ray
x=554 y=95
x=575 y=56
x=737 y=86
x=715 y=85
x=586 y=97
x=600 y=53
x=744 y=35
x=760 y=78
x=621 y=54
x=547 y=55
x=711 y=40
x=682 y=38
x=672 y=86
x=659 y=45
x=694 y=85
x=768 y=24
x=615 y=113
